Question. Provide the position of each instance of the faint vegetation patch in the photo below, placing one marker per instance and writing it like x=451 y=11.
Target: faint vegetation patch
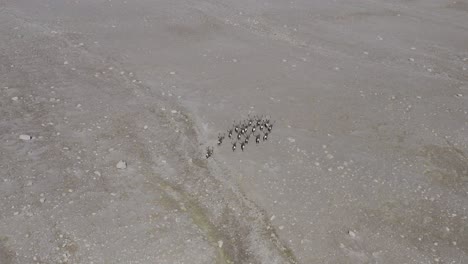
x=448 y=165
x=458 y=5
x=364 y=15
x=196 y=25
x=6 y=255
x=67 y=246
x=419 y=223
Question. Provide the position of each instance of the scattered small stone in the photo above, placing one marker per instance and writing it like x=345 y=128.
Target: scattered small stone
x=220 y=243
x=292 y=140
x=97 y=173
x=42 y=200
x=65 y=62
x=15 y=98
x=351 y=234
x=459 y=95
x=121 y=165
x=145 y=127
x=25 y=137
x=281 y=227
x=172 y=73
x=29 y=183
x=173 y=111
x=411 y=59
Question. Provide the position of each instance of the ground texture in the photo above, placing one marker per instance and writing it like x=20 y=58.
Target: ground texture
x=367 y=163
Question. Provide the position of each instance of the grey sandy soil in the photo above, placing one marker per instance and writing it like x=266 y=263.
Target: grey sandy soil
x=368 y=161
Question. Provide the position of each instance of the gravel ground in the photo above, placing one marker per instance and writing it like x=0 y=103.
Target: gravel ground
x=106 y=108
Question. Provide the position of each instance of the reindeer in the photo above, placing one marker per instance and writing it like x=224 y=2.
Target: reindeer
x=220 y=138
x=209 y=152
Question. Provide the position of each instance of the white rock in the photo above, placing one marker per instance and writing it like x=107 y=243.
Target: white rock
x=172 y=73
x=121 y=165
x=42 y=200
x=459 y=95
x=173 y=111
x=220 y=243
x=25 y=137
x=14 y=98
x=291 y=139
x=97 y=173
x=145 y=127
x=351 y=234
x=281 y=227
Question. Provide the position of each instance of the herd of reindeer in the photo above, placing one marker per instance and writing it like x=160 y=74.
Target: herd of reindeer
x=257 y=127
